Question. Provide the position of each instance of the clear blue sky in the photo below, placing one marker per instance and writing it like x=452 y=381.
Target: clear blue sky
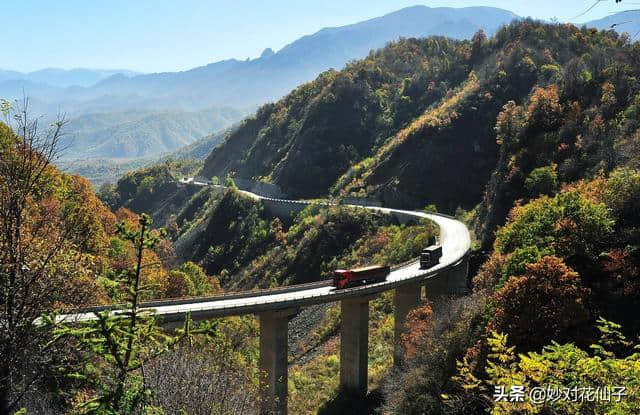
x=162 y=35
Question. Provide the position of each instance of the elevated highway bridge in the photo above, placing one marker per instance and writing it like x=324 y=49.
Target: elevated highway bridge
x=274 y=307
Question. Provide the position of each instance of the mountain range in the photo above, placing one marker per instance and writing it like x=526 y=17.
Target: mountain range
x=248 y=83
x=106 y=119
x=379 y=128
x=623 y=22
x=253 y=82
x=172 y=102
x=63 y=78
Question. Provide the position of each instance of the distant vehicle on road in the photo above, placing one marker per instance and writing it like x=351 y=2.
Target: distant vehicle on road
x=196 y=181
x=345 y=278
x=430 y=256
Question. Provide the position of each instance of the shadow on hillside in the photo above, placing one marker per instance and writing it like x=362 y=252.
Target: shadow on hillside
x=344 y=403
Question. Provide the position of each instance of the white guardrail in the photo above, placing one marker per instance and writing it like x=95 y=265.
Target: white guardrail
x=454 y=238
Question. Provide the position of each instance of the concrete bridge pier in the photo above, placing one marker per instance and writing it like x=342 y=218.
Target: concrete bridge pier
x=354 y=344
x=462 y=277
x=405 y=299
x=451 y=282
x=274 y=326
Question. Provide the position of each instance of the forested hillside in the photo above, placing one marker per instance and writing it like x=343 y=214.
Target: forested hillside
x=153 y=190
x=62 y=248
x=199 y=149
x=413 y=123
x=535 y=133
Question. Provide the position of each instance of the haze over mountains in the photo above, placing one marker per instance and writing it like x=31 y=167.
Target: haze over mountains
x=173 y=102
x=64 y=77
x=248 y=83
x=253 y=82
x=627 y=22
x=135 y=134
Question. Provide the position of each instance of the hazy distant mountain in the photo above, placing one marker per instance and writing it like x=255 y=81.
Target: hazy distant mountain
x=8 y=75
x=248 y=83
x=627 y=21
x=335 y=46
x=64 y=77
x=141 y=134
x=199 y=149
x=103 y=170
x=270 y=76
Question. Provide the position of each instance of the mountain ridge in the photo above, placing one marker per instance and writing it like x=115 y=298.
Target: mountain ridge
x=623 y=22
x=378 y=129
x=250 y=83
x=64 y=78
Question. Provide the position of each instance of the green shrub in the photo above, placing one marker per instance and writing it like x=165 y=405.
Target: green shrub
x=542 y=181
x=569 y=223
x=558 y=367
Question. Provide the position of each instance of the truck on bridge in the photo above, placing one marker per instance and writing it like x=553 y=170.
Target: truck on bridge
x=345 y=278
x=430 y=256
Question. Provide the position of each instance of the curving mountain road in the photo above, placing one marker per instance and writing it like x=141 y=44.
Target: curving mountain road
x=454 y=238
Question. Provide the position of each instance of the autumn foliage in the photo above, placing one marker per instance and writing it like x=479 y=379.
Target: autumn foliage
x=546 y=303
x=418 y=325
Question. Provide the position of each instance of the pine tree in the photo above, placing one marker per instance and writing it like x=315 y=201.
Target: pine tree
x=119 y=342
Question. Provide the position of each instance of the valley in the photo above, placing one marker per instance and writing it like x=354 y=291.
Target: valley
x=420 y=213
